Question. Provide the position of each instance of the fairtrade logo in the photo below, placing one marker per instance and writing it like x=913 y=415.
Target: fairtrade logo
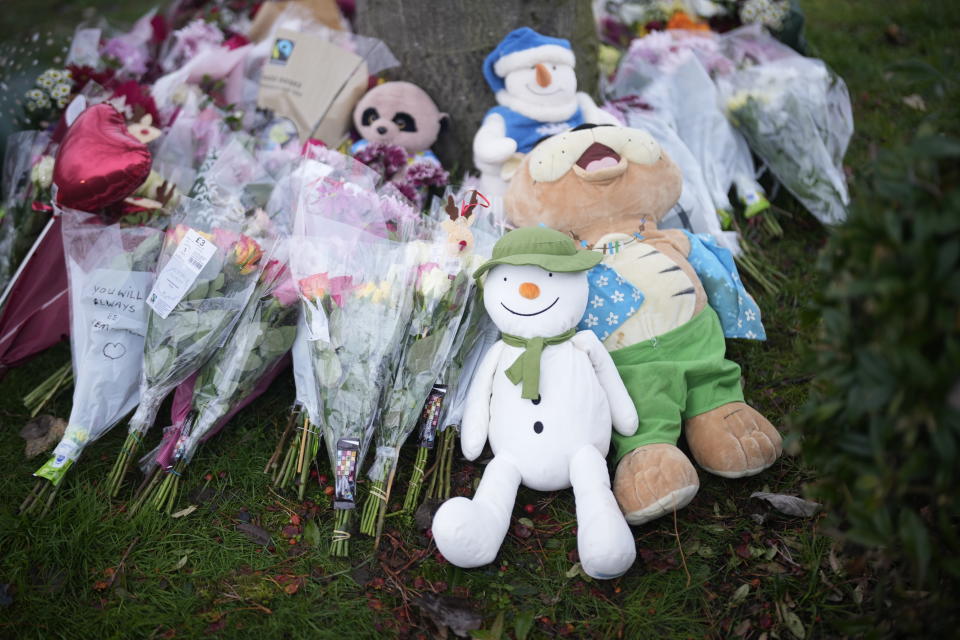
x=282 y=50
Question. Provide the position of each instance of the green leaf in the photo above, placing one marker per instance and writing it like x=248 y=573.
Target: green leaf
x=794 y=624
x=523 y=624
x=311 y=533
x=740 y=594
x=493 y=633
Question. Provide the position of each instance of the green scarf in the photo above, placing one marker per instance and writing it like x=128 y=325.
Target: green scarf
x=527 y=366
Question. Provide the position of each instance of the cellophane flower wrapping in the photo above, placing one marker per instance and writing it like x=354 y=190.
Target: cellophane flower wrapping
x=796 y=115
x=110 y=271
x=224 y=220
x=25 y=209
x=263 y=335
x=354 y=289
x=440 y=291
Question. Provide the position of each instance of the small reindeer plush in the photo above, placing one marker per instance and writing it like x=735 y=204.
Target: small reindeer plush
x=459 y=236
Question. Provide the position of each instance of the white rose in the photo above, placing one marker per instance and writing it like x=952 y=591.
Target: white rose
x=434 y=283
x=42 y=173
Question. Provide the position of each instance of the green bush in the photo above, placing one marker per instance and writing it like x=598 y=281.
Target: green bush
x=882 y=426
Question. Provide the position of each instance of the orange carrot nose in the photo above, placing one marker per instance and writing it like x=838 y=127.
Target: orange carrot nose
x=529 y=290
x=543 y=75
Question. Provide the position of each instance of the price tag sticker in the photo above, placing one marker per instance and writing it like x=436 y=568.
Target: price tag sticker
x=181 y=271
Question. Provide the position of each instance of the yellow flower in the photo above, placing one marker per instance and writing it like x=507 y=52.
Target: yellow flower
x=247 y=254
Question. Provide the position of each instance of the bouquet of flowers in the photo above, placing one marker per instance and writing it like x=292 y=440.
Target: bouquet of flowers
x=796 y=115
x=472 y=243
x=209 y=267
x=354 y=292
x=442 y=286
x=27 y=176
x=261 y=338
x=110 y=273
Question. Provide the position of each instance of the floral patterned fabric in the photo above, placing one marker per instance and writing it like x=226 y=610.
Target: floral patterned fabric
x=612 y=301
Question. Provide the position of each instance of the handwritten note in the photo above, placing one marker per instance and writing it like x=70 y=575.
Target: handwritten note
x=116 y=299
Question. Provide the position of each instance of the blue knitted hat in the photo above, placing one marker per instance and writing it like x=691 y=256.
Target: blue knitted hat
x=524 y=47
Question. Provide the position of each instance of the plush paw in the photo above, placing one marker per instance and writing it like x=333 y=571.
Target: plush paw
x=733 y=441
x=606 y=545
x=466 y=534
x=654 y=480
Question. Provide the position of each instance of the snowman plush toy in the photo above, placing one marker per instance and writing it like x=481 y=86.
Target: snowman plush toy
x=533 y=79
x=546 y=396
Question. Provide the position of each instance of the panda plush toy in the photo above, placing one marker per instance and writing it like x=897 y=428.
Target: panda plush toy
x=400 y=114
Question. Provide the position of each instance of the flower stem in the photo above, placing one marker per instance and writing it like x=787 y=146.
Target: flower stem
x=376 y=499
x=340 y=545
x=275 y=458
x=416 y=480
x=128 y=453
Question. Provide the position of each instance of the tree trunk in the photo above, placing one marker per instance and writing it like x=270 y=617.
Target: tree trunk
x=441 y=46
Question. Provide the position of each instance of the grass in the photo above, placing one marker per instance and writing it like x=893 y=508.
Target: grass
x=724 y=568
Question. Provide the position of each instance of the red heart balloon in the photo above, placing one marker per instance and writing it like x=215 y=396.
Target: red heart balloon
x=99 y=162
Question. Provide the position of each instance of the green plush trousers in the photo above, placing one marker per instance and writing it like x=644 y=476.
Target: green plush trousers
x=676 y=376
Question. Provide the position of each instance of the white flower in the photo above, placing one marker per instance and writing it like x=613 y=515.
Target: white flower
x=613 y=318
x=636 y=295
x=61 y=90
x=740 y=323
x=434 y=283
x=751 y=334
x=602 y=281
x=591 y=321
x=619 y=279
x=596 y=302
x=750 y=315
x=617 y=296
x=42 y=172
x=35 y=94
x=45 y=81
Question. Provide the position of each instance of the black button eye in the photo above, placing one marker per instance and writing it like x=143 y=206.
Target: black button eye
x=369 y=115
x=538 y=427
x=405 y=122
x=536 y=400
x=550 y=275
x=504 y=279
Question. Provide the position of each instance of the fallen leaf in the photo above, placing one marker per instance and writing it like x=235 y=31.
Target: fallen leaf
x=789 y=505
x=423 y=516
x=41 y=434
x=740 y=594
x=742 y=628
x=794 y=624
x=915 y=101
x=291 y=588
x=181 y=563
x=450 y=611
x=255 y=533
x=184 y=512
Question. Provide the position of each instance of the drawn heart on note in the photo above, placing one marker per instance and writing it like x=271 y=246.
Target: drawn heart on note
x=114 y=350
x=99 y=162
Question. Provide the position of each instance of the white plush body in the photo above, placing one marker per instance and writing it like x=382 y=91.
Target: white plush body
x=581 y=398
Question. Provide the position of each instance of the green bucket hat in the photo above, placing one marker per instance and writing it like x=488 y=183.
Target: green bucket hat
x=546 y=248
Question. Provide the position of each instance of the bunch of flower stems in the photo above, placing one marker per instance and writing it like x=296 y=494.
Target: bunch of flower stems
x=302 y=452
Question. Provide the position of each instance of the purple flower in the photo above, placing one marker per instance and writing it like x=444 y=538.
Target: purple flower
x=426 y=174
x=132 y=57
